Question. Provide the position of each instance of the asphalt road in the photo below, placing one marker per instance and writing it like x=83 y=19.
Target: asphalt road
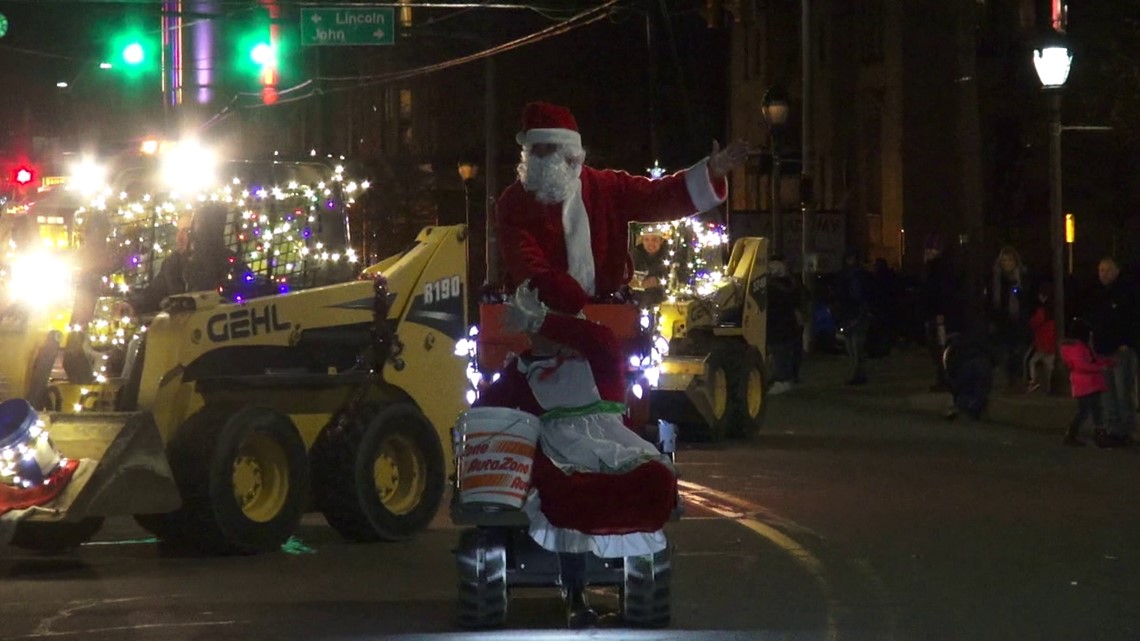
x=838 y=522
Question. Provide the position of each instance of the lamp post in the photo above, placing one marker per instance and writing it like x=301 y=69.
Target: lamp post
x=1052 y=63
x=467 y=172
x=774 y=106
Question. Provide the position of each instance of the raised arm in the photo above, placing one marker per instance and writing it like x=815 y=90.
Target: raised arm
x=687 y=192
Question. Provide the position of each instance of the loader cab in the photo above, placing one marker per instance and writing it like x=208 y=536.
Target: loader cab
x=286 y=222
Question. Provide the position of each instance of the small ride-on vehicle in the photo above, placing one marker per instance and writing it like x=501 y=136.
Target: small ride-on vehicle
x=495 y=552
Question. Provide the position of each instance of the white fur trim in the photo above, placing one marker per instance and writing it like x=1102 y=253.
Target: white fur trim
x=555 y=136
x=700 y=188
x=579 y=249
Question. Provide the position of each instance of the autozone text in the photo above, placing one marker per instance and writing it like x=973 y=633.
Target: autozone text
x=245 y=322
x=505 y=464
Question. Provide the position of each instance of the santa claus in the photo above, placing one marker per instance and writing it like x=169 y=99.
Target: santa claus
x=564 y=216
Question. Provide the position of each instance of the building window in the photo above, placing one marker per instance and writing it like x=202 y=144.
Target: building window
x=871 y=30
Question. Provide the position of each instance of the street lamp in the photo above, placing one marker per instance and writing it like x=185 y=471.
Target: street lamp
x=467 y=172
x=1052 y=63
x=775 y=109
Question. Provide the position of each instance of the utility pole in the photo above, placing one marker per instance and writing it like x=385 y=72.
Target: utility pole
x=807 y=169
x=969 y=159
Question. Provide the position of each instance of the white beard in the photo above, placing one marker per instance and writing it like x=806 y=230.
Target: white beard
x=550 y=178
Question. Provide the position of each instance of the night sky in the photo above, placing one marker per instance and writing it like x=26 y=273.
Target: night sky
x=601 y=70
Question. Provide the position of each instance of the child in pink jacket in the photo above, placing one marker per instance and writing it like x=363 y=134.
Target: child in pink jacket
x=1086 y=376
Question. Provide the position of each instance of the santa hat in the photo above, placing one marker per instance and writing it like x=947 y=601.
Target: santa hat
x=547 y=123
x=560 y=292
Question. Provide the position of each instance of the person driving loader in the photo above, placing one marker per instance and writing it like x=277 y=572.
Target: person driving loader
x=201 y=261
x=96 y=260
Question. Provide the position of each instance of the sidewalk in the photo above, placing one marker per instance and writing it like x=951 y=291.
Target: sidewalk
x=901 y=382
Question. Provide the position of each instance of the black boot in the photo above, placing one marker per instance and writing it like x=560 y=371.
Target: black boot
x=579 y=614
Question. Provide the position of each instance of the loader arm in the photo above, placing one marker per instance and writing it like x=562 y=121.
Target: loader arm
x=428 y=293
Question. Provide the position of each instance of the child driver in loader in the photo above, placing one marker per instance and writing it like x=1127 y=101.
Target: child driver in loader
x=597 y=487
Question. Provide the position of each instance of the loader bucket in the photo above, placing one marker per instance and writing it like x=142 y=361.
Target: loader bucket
x=129 y=473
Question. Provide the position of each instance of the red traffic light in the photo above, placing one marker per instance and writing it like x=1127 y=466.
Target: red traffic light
x=24 y=176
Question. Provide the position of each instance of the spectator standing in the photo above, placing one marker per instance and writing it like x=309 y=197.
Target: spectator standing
x=1087 y=379
x=1113 y=315
x=939 y=307
x=784 y=331
x=1044 y=350
x=884 y=304
x=853 y=303
x=1011 y=303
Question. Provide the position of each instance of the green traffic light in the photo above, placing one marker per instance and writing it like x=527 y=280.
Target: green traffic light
x=133 y=54
x=263 y=54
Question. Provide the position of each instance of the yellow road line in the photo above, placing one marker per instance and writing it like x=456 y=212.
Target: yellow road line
x=739 y=511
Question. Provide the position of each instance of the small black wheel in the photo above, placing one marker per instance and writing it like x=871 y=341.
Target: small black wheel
x=42 y=536
x=645 y=593
x=481 y=561
x=379 y=475
x=244 y=482
x=751 y=389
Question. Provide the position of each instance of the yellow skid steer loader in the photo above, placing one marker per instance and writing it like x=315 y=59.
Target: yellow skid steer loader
x=713 y=379
x=232 y=418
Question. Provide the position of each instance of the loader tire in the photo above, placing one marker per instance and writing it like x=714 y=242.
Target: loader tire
x=379 y=476
x=55 y=537
x=481 y=563
x=721 y=371
x=645 y=592
x=244 y=480
x=751 y=390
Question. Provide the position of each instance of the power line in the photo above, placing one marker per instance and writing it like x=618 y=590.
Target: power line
x=582 y=19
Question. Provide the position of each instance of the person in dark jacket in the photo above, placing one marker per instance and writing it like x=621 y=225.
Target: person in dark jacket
x=784 y=330
x=853 y=304
x=1012 y=299
x=969 y=365
x=940 y=306
x=885 y=310
x=1114 y=315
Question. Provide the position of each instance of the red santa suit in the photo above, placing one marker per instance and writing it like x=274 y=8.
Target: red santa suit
x=596 y=486
x=587 y=235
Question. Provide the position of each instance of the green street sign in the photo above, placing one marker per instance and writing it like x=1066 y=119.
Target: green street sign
x=347 y=26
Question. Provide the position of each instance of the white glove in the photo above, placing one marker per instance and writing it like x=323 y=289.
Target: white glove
x=525 y=313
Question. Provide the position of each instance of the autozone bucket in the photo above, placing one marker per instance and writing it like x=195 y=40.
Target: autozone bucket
x=496 y=455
